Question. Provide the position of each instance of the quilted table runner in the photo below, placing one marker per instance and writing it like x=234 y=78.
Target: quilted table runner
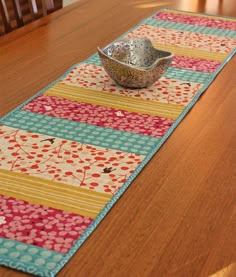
x=70 y=152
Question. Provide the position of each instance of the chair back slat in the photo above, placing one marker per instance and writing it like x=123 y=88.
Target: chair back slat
x=48 y=6
x=16 y=13
x=5 y=16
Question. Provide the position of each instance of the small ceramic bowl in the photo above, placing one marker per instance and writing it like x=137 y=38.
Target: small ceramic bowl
x=134 y=62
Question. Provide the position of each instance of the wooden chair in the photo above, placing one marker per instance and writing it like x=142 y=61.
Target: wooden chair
x=13 y=15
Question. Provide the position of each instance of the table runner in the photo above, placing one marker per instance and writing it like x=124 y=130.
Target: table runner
x=69 y=153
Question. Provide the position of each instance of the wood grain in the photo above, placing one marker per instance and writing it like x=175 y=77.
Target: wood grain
x=178 y=216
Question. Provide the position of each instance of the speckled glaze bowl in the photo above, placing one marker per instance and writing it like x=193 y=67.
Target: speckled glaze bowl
x=134 y=62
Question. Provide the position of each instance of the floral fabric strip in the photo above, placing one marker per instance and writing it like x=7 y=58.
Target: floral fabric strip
x=207 y=21
x=165 y=90
x=201 y=65
x=94 y=168
x=40 y=225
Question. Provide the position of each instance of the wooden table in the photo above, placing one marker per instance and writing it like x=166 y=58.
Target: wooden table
x=178 y=218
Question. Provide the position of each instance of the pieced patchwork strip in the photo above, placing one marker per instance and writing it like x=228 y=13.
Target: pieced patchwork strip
x=53 y=194
x=102 y=116
x=83 y=133
x=195 y=66
x=58 y=160
x=115 y=101
x=167 y=90
x=198 y=26
x=188 y=52
x=198 y=19
x=187 y=43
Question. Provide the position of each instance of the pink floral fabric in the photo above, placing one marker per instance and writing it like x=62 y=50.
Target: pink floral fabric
x=185 y=39
x=212 y=22
x=40 y=225
x=69 y=162
x=195 y=64
x=165 y=90
x=100 y=115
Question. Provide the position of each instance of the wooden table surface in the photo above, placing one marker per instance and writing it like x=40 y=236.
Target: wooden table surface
x=178 y=218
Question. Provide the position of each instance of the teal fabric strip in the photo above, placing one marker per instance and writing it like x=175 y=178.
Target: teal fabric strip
x=94 y=59
x=25 y=257
x=81 y=132
x=190 y=28
x=187 y=75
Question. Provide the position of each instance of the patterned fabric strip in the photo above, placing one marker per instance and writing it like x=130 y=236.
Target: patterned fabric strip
x=37 y=259
x=53 y=194
x=181 y=75
x=38 y=225
x=191 y=53
x=89 y=167
x=115 y=101
x=80 y=132
x=188 y=27
x=208 y=21
x=201 y=65
x=219 y=46
x=195 y=65
x=171 y=90
x=99 y=115
x=202 y=15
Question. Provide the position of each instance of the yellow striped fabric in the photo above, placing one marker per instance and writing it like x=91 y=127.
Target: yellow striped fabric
x=193 y=53
x=53 y=194
x=107 y=99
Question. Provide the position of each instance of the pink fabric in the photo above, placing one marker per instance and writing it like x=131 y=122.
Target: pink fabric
x=40 y=225
x=195 y=64
x=197 y=20
x=100 y=115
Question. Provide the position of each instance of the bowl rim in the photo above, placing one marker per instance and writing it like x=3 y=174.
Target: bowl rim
x=146 y=68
